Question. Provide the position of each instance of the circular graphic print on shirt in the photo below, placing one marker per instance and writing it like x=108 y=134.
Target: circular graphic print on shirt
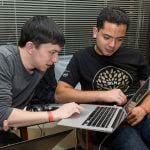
x=111 y=77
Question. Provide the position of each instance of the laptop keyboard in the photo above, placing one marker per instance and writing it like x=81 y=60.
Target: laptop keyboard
x=100 y=117
x=118 y=118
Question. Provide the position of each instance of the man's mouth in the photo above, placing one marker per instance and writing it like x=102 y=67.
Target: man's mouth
x=48 y=66
x=109 y=50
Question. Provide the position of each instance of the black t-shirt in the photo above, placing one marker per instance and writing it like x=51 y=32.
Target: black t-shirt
x=44 y=91
x=123 y=70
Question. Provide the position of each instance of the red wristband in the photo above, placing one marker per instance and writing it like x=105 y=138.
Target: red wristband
x=144 y=109
x=50 y=116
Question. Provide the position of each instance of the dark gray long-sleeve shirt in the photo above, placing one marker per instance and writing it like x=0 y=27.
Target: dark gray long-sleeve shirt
x=16 y=84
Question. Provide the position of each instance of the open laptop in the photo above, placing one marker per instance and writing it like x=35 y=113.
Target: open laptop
x=43 y=143
x=105 y=118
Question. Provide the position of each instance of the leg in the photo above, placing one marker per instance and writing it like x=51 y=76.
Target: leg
x=24 y=133
x=126 y=138
x=81 y=139
x=144 y=129
x=98 y=139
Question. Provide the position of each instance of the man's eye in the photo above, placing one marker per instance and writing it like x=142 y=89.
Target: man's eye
x=52 y=52
x=106 y=37
x=120 y=40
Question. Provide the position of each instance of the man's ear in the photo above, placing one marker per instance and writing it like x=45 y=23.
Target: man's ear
x=95 y=32
x=29 y=47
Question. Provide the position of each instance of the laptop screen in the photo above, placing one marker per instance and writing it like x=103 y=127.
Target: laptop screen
x=46 y=143
x=140 y=94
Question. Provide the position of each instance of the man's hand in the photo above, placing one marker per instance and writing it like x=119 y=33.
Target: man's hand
x=5 y=125
x=136 y=115
x=115 y=95
x=66 y=111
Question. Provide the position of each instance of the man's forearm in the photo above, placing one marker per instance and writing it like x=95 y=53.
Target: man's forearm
x=20 y=118
x=75 y=95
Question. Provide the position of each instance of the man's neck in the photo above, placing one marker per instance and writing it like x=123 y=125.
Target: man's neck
x=96 y=50
x=26 y=59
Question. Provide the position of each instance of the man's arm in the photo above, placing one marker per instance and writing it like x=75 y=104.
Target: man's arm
x=146 y=104
x=20 y=118
x=138 y=113
x=66 y=93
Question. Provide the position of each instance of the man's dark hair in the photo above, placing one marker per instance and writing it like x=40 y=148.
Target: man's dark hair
x=41 y=30
x=112 y=14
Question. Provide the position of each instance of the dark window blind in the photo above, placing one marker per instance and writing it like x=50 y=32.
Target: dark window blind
x=76 y=18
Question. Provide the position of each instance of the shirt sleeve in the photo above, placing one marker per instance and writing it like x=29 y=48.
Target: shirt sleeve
x=72 y=74
x=5 y=90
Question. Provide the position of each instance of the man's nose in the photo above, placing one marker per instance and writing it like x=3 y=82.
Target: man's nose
x=55 y=58
x=112 y=43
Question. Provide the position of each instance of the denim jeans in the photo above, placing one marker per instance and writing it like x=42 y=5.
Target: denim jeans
x=132 y=138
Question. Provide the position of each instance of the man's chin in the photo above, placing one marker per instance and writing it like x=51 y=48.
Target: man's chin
x=108 y=54
x=43 y=69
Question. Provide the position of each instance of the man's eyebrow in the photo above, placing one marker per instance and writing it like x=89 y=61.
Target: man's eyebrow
x=54 y=50
x=107 y=34
x=112 y=36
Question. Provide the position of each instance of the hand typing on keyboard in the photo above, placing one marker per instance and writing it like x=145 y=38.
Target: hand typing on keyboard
x=115 y=96
x=58 y=112
x=67 y=110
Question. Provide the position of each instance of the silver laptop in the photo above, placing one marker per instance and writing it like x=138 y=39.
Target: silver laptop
x=105 y=118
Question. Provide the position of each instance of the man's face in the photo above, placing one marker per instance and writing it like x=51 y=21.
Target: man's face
x=109 y=38
x=45 y=56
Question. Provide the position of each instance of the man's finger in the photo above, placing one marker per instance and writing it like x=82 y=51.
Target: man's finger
x=5 y=125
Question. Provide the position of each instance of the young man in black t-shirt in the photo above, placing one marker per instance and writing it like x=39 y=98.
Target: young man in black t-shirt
x=107 y=73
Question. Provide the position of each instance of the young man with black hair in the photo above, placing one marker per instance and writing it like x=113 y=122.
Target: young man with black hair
x=21 y=69
x=107 y=73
